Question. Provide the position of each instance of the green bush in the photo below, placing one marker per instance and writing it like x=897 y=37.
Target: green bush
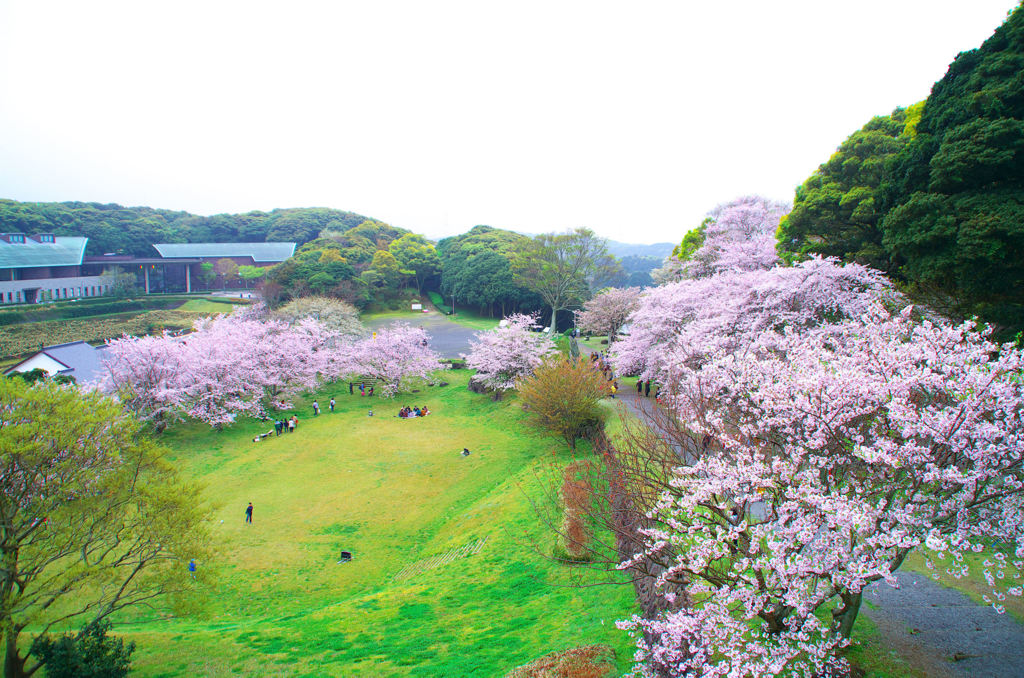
x=89 y=654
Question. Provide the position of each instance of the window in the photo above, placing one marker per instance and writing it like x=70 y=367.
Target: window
x=17 y=237
x=45 y=238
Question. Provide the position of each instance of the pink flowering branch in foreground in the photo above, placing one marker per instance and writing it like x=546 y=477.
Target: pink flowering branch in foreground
x=828 y=454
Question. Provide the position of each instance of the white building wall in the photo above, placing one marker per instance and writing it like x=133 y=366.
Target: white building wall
x=51 y=289
x=43 y=361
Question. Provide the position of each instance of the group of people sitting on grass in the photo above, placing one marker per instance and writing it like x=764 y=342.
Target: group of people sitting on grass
x=406 y=413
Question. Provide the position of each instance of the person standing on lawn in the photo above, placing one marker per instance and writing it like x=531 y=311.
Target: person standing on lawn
x=248 y=513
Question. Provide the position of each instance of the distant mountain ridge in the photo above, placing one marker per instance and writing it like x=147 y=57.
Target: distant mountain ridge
x=658 y=250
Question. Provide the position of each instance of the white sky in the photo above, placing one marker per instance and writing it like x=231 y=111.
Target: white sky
x=631 y=118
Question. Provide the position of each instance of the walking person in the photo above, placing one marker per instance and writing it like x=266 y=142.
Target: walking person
x=647 y=389
x=316 y=409
x=278 y=426
x=639 y=386
x=332 y=404
x=248 y=513
x=291 y=424
x=192 y=568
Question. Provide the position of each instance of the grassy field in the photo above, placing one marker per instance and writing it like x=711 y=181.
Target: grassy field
x=393 y=492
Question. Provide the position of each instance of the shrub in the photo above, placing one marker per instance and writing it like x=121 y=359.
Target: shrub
x=88 y=654
x=574 y=535
x=590 y=661
x=562 y=397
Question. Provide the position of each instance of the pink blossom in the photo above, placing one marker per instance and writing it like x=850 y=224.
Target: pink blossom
x=399 y=356
x=830 y=451
x=509 y=352
x=607 y=312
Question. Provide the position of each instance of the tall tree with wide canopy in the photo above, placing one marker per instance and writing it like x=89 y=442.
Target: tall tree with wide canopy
x=399 y=356
x=92 y=519
x=561 y=267
x=415 y=254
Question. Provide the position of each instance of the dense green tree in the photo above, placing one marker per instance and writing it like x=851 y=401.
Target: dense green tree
x=249 y=273
x=955 y=227
x=476 y=271
x=92 y=519
x=387 y=267
x=415 y=254
x=90 y=653
x=837 y=210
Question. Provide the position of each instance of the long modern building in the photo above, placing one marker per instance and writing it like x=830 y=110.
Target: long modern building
x=45 y=267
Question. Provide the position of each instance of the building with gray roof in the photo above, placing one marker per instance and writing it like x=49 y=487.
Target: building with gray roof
x=255 y=252
x=77 y=359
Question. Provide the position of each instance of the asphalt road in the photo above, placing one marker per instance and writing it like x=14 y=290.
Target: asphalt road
x=447 y=337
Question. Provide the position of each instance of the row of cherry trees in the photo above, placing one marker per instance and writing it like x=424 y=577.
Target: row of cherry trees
x=234 y=366
x=835 y=428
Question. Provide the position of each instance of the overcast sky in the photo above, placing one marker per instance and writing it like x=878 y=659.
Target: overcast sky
x=631 y=118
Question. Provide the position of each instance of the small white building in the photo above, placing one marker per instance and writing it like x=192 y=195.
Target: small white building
x=77 y=359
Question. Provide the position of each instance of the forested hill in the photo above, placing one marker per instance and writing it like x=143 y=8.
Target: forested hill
x=934 y=195
x=132 y=230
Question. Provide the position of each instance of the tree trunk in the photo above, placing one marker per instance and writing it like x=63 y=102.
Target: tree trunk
x=848 y=614
x=14 y=664
x=554 y=319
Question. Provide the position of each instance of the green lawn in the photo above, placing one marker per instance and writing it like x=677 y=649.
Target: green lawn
x=394 y=492
x=207 y=306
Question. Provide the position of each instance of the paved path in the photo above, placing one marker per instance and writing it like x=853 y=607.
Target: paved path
x=447 y=337
x=943 y=632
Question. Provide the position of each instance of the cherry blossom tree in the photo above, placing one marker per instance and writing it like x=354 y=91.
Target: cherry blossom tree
x=828 y=453
x=228 y=366
x=739 y=235
x=144 y=373
x=683 y=322
x=509 y=352
x=607 y=312
x=398 y=356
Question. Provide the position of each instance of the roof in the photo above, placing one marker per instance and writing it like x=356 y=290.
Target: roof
x=84 y=361
x=64 y=251
x=259 y=251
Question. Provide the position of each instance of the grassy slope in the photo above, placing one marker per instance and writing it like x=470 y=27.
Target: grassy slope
x=392 y=492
